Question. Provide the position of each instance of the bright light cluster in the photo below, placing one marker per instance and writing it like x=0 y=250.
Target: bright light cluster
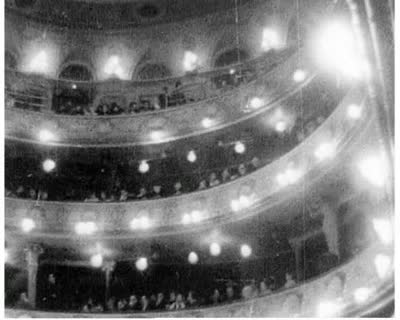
x=96 y=260
x=240 y=147
x=193 y=258
x=361 y=295
x=141 y=223
x=85 y=228
x=157 y=135
x=191 y=156
x=39 y=63
x=325 y=151
x=190 y=61
x=144 y=166
x=271 y=39
x=141 y=264
x=335 y=48
x=245 y=250
x=49 y=165
x=27 y=225
x=215 y=249
x=354 y=111
x=194 y=217
x=374 y=169
x=384 y=230
x=289 y=176
x=241 y=203
x=113 y=67
x=327 y=309
x=299 y=75
x=207 y=122
x=256 y=103
x=46 y=135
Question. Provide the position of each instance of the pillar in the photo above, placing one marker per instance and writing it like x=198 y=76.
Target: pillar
x=32 y=259
x=108 y=269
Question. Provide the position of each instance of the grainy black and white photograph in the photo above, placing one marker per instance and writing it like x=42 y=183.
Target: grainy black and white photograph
x=198 y=158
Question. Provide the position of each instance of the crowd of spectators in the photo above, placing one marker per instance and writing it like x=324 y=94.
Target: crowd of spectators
x=119 y=193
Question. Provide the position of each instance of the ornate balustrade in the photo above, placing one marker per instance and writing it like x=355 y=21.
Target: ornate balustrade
x=245 y=196
x=331 y=294
x=220 y=111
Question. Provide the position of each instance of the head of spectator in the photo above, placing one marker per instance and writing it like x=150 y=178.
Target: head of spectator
x=242 y=169
x=133 y=302
x=216 y=297
x=20 y=191
x=43 y=195
x=156 y=191
x=23 y=301
x=111 y=304
x=264 y=289
x=142 y=193
x=152 y=301
x=121 y=305
x=190 y=300
x=32 y=194
x=98 y=307
x=178 y=84
x=226 y=176
x=160 y=302
x=213 y=181
x=92 y=198
x=310 y=127
x=178 y=304
x=124 y=195
x=289 y=280
x=145 y=303
x=178 y=188
x=202 y=185
x=229 y=293
x=51 y=278
x=133 y=107
x=172 y=297
x=320 y=120
x=255 y=163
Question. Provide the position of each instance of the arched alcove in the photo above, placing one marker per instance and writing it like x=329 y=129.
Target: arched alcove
x=76 y=72
x=230 y=57
x=151 y=71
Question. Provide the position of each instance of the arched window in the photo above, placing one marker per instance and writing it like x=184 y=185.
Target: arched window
x=76 y=72
x=231 y=57
x=10 y=61
x=153 y=71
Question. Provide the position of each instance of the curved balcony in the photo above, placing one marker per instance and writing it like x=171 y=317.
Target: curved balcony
x=255 y=192
x=193 y=119
x=317 y=297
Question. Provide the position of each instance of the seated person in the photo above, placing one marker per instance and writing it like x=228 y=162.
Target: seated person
x=145 y=303
x=242 y=170
x=178 y=188
x=23 y=301
x=255 y=163
x=133 y=107
x=156 y=194
x=142 y=195
x=160 y=302
x=78 y=110
x=122 y=305
x=264 y=289
x=178 y=304
x=177 y=97
x=115 y=109
x=124 y=195
x=213 y=180
x=163 y=98
x=289 y=281
x=133 y=304
x=92 y=198
x=191 y=302
x=102 y=109
x=230 y=294
x=226 y=176
x=216 y=297
x=202 y=185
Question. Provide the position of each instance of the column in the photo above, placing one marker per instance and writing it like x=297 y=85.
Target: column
x=32 y=259
x=297 y=245
x=108 y=269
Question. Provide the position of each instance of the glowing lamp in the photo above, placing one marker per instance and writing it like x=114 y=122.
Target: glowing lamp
x=235 y=205
x=336 y=49
x=327 y=309
x=39 y=62
x=207 y=123
x=49 y=165
x=74 y=86
x=384 y=230
x=374 y=170
x=140 y=223
x=245 y=251
x=281 y=126
x=270 y=39
x=191 y=156
x=382 y=265
x=354 y=111
x=143 y=166
x=157 y=135
x=190 y=61
x=232 y=71
x=27 y=225
x=240 y=147
x=46 y=135
x=113 y=67
x=325 y=151
x=85 y=228
x=186 y=219
x=141 y=264
x=361 y=295
x=288 y=177
x=256 y=103
x=96 y=260
x=299 y=75
x=193 y=258
x=215 y=249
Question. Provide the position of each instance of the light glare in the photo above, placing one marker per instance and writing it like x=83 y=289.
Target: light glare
x=384 y=230
x=361 y=295
x=144 y=166
x=374 y=169
x=46 y=135
x=27 y=225
x=190 y=61
x=113 y=67
x=142 y=264
x=215 y=249
x=327 y=309
x=354 y=111
x=382 y=265
x=270 y=39
x=240 y=147
x=85 y=228
x=193 y=258
x=325 y=151
x=49 y=165
x=96 y=260
x=191 y=157
x=245 y=251
x=299 y=75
